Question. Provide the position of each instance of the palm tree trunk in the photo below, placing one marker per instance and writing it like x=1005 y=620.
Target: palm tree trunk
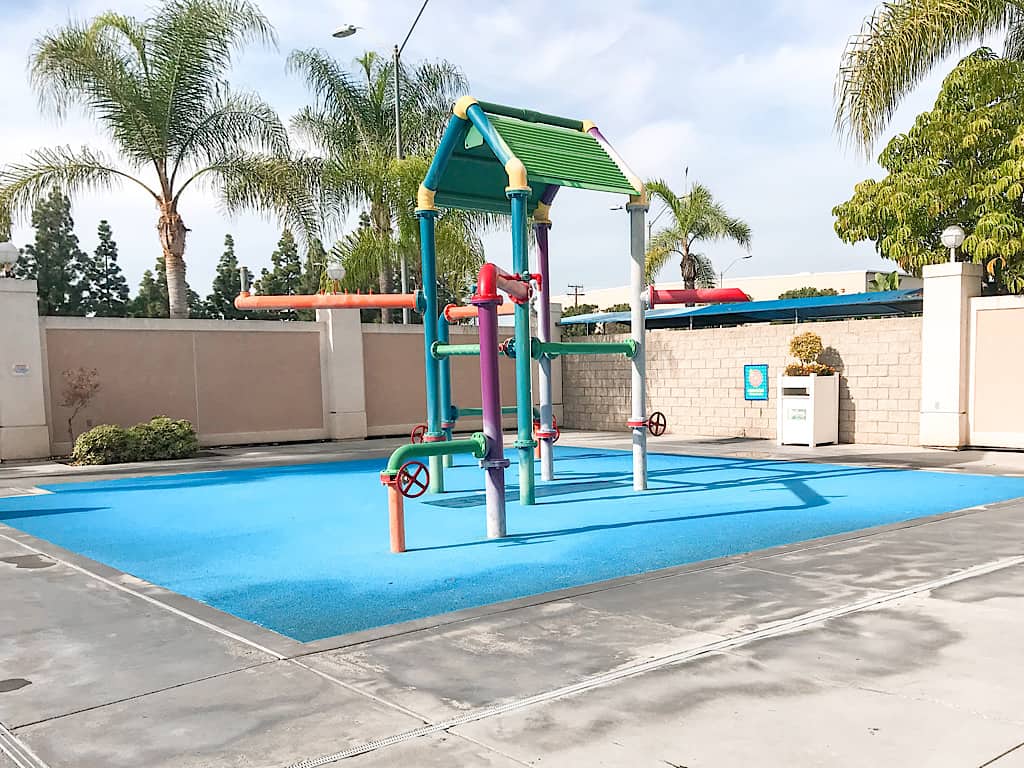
x=381 y=219
x=688 y=268
x=172 y=231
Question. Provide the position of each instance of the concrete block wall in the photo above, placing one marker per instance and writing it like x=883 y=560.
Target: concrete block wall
x=696 y=379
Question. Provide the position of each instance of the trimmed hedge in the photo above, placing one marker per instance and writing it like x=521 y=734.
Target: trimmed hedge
x=156 y=440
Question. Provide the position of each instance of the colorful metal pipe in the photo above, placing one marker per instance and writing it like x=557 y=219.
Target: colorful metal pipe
x=443 y=351
x=428 y=259
x=475 y=444
x=332 y=301
x=637 y=208
x=486 y=300
x=549 y=349
x=524 y=401
x=467 y=412
x=454 y=312
x=546 y=432
x=656 y=296
x=445 y=389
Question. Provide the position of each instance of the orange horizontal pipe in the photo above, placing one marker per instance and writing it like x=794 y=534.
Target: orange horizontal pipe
x=453 y=312
x=329 y=301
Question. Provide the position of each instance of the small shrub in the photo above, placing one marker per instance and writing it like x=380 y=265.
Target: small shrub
x=807 y=348
x=159 y=439
x=164 y=438
x=105 y=444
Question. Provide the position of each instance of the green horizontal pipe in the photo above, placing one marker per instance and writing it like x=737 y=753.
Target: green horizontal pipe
x=557 y=348
x=530 y=115
x=476 y=444
x=439 y=350
x=460 y=412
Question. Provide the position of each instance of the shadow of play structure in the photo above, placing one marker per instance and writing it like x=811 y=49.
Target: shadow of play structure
x=501 y=159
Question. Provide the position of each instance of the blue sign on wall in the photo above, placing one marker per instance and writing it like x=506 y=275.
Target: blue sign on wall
x=755 y=382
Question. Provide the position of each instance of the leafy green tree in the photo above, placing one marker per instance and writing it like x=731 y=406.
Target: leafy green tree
x=807 y=292
x=54 y=260
x=151 y=298
x=696 y=217
x=885 y=281
x=220 y=303
x=352 y=126
x=157 y=86
x=582 y=329
x=961 y=163
x=900 y=43
x=285 y=279
x=106 y=290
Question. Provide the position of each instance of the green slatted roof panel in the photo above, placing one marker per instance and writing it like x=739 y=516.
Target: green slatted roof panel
x=552 y=154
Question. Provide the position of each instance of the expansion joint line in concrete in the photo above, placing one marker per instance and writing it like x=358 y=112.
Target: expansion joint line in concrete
x=785 y=627
x=20 y=755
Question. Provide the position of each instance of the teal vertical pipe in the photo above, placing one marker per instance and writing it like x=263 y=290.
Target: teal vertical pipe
x=428 y=258
x=445 y=388
x=524 y=400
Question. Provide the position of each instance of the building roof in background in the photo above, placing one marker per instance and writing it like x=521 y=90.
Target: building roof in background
x=874 y=304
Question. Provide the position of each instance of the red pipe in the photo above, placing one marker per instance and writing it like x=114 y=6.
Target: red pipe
x=328 y=301
x=658 y=296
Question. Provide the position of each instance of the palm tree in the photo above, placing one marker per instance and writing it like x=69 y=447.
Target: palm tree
x=157 y=88
x=900 y=43
x=351 y=124
x=696 y=216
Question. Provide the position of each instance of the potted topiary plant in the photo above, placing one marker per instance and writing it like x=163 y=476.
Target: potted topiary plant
x=808 y=412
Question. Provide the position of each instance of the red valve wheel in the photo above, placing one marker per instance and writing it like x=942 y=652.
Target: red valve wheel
x=417 y=433
x=413 y=479
x=657 y=424
x=558 y=432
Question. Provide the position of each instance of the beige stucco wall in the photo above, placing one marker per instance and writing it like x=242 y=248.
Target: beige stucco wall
x=996 y=417
x=396 y=385
x=237 y=381
x=696 y=379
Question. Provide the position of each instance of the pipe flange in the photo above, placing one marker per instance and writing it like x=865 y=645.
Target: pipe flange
x=546 y=434
x=432 y=438
x=494 y=463
x=636 y=423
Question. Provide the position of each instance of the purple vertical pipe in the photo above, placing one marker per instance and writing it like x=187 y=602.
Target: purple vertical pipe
x=547 y=446
x=490 y=394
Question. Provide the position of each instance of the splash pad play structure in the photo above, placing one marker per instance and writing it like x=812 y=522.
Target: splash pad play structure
x=501 y=159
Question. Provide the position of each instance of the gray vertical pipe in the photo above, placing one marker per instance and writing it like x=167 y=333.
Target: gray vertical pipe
x=547 y=447
x=490 y=393
x=638 y=246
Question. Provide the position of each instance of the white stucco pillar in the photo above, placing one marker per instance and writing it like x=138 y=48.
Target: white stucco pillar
x=344 y=380
x=945 y=352
x=23 y=430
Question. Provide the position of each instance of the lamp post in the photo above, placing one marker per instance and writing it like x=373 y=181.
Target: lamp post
x=9 y=254
x=953 y=237
x=721 y=275
x=347 y=30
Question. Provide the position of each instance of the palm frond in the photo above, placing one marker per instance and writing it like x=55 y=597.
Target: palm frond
x=660 y=249
x=72 y=171
x=896 y=48
x=234 y=121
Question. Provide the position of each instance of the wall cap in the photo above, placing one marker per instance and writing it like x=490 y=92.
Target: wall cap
x=951 y=269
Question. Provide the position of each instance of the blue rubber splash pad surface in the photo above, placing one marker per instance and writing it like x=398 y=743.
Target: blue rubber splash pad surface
x=303 y=550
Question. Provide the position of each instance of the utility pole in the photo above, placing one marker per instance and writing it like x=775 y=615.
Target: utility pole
x=577 y=291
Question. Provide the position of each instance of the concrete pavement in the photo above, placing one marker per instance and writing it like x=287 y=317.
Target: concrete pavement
x=891 y=646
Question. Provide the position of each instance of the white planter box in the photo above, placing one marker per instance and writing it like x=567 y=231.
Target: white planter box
x=808 y=410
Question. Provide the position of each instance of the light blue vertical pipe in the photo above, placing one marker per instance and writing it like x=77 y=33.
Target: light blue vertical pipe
x=524 y=401
x=428 y=258
x=445 y=393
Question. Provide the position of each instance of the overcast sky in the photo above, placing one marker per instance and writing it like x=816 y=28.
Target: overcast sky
x=738 y=91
